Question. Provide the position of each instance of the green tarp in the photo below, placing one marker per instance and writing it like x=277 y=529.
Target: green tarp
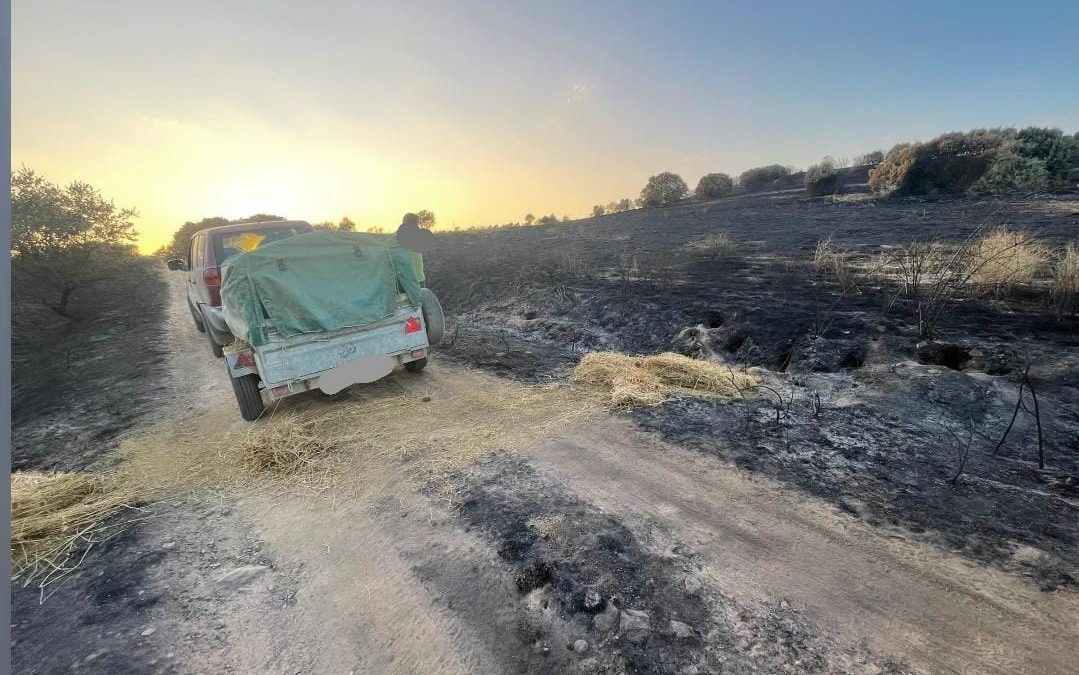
x=316 y=282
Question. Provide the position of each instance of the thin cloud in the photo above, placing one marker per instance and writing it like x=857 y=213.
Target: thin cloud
x=578 y=93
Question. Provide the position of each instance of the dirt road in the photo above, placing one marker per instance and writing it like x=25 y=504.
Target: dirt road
x=701 y=568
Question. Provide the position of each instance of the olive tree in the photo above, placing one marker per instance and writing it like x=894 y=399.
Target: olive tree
x=714 y=186
x=65 y=239
x=662 y=189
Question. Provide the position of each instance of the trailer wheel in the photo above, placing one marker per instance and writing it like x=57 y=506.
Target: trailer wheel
x=432 y=316
x=417 y=365
x=246 y=388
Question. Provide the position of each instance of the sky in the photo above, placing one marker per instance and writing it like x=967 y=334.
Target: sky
x=485 y=111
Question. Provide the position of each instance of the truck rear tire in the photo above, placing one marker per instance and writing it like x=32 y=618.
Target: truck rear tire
x=246 y=388
x=432 y=316
x=417 y=365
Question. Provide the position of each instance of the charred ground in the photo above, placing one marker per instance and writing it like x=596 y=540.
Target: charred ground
x=865 y=415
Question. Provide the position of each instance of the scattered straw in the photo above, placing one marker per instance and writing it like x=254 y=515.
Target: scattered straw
x=651 y=380
x=361 y=443
x=55 y=518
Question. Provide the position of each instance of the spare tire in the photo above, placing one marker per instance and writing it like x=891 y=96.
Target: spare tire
x=433 y=317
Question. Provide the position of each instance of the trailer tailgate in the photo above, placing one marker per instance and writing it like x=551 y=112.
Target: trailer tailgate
x=305 y=356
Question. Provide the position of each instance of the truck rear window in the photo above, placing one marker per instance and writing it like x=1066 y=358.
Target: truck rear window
x=230 y=244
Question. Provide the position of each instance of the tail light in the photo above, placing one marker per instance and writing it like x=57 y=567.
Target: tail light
x=412 y=325
x=244 y=360
x=211 y=276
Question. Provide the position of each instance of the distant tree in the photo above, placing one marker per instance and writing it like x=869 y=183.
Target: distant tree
x=529 y=219
x=598 y=210
x=565 y=218
x=257 y=218
x=65 y=239
x=427 y=219
x=325 y=225
x=181 y=239
x=664 y=188
x=346 y=224
x=626 y=204
x=763 y=176
x=714 y=186
x=870 y=159
x=375 y=230
x=547 y=220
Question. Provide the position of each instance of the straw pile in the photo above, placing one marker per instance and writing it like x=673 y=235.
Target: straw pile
x=55 y=516
x=651 y=380
x=284 y=445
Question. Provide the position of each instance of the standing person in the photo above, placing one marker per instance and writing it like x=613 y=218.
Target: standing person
x=416 y=239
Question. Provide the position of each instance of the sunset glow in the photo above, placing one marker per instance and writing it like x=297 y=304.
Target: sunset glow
x=479 y=114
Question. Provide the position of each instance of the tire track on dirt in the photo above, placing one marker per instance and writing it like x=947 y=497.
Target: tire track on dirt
x=761 y=542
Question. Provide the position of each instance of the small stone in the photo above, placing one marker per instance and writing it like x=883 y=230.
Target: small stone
x=784 y=604
x=607 y=620
x=684 y=551
x=580 y=646
x=681 y=630
x=593 y=601
x=693 y=585
x=168 y=544
x=241 y=576
x=426 y=399
x=149 y=631
x=636 y=624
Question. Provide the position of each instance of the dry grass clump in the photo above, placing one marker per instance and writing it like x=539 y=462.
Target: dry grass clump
x=55 y=517
x=1065 y=293
x=1002 y=257
x=717 y=245
x=831 y=259
x=651 y=380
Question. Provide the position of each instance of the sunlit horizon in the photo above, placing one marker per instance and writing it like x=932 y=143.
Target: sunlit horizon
x=484 y=114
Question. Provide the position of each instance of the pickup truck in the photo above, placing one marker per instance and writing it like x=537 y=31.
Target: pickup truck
x=323 y=310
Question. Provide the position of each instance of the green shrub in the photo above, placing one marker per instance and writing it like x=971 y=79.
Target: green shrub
x=823 y=179
x=714 y=186
x=662 y=189
x=982 y=160
x=1058 y=152
x=1011 y=172
x=762 y=176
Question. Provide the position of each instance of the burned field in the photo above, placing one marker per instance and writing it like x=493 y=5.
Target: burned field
x=859 y=408
x=78 y=383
